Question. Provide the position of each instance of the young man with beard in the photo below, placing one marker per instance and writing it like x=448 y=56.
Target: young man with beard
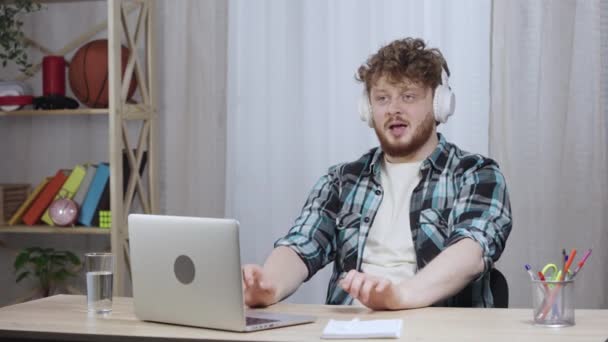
x=416 y=222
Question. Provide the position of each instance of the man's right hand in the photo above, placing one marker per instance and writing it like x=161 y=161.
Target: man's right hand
x=258 y=289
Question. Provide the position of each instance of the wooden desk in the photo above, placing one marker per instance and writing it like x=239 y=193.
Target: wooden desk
x=64 y=317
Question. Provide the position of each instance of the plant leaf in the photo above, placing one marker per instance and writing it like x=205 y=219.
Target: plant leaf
x=34 y=249
x=38 y=261
x=73 y=258
x=11 y=34
x=58 y=258
x=61 y=274
x=22 y=276
x=20 y=260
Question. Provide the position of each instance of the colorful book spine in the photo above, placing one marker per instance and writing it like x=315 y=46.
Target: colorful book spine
x=91 y=200
x=33 y=214
x=68 y=190
x=84 y=185
x=16 y=218
x=104 y=204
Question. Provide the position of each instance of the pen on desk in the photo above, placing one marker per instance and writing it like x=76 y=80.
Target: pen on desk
x=529 y=270
x=581 y=263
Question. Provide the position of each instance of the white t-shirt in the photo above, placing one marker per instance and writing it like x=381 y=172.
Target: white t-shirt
x=389 y=250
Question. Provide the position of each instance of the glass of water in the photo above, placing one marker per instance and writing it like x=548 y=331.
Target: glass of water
x=100 y=274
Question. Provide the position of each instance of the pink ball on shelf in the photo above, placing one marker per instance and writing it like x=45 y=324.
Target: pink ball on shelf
x=63 y=212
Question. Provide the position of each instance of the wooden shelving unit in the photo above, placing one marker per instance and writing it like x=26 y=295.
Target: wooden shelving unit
x=119 y=113
x=23 y=229
x=79 y=111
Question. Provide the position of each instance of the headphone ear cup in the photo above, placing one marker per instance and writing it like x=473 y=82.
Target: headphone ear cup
x=444 y=100
x=444 y=103
x=365 y=110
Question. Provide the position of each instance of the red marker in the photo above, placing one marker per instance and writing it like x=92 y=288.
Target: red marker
x=541 y=276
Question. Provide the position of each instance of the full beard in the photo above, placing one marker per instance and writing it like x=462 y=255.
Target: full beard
x=403 y=149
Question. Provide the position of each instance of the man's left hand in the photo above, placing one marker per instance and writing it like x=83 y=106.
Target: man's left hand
x=376 y=293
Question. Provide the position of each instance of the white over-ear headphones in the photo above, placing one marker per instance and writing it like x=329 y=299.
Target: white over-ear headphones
x=444 y=102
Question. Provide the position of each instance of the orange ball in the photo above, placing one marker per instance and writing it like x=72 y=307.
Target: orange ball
x=88 y=73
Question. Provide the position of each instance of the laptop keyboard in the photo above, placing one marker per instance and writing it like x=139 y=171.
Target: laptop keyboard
x=257 y=320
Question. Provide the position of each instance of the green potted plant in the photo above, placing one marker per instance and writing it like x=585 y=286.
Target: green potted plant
x=12 y=40
x=49 y=266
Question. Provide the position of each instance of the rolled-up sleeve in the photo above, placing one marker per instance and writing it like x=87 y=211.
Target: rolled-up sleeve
x=482 y=211
x=312 y=235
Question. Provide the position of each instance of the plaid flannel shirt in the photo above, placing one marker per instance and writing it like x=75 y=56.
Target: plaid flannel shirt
x=460 y=195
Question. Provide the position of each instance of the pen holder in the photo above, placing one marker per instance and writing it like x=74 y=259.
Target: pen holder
x=553 y=303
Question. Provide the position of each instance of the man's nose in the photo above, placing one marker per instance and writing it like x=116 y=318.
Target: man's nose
x=394 y=107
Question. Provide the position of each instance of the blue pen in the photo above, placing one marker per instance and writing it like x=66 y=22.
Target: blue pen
x=529 y=269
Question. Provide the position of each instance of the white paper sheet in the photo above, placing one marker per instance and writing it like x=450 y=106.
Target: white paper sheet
x=357 y=329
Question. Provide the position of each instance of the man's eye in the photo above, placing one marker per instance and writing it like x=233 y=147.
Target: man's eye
x=409 y=97
x=380 y=98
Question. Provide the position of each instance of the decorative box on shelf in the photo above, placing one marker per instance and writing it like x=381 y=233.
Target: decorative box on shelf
x=11 y=197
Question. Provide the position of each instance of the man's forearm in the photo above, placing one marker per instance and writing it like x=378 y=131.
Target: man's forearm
x=286 y=271
x=444 y=276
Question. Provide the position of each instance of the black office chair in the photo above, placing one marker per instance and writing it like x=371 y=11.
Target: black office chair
x=464 y=299
x=499 y=288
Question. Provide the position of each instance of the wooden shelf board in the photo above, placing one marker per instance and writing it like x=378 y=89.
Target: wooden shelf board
x=21 y=229
x=80 y=111
x=61 y=1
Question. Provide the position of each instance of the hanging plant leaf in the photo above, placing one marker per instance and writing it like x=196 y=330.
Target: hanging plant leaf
x=12 y=39
x=22 y=276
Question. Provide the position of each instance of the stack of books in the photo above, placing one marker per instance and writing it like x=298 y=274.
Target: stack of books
x=87 y=185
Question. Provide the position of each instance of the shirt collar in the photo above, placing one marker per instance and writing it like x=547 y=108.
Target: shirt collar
x=439 y=158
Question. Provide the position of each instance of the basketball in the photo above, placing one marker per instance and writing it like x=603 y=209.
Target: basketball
x=88 y=73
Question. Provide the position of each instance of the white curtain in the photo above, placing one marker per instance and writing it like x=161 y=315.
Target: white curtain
x=549 y=132
x=292 y=98
x=192 y=40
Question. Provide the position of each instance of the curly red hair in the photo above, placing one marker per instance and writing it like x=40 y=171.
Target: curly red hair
x=407 y=58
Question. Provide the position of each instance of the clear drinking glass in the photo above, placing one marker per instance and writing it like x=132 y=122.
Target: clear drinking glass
x=553 y=303
x=100 y=274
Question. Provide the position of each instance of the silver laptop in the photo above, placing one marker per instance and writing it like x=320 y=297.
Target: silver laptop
x=187 y=270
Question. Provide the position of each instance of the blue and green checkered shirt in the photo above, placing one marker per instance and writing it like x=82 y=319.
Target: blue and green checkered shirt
x=461 y=195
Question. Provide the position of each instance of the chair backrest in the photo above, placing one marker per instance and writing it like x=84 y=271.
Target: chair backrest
x=499 y=288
